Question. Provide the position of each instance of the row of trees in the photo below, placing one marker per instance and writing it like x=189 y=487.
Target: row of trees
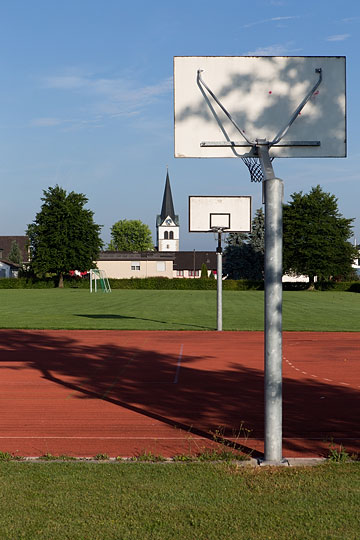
x=64 y=237
x=315 y=241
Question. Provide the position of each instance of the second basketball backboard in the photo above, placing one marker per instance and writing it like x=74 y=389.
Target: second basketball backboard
x=261 y=94
x=211 y=213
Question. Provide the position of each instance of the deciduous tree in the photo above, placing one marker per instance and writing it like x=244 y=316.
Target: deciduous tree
x=130 y=235
x=316 y=236
x=63 y=235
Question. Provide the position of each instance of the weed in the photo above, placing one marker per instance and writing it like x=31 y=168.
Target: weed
x=47 y=457
x=101 y=457
x=232 y=442
x=147 y=456
x=5 y=456
x=184 y=458
x=337 y=454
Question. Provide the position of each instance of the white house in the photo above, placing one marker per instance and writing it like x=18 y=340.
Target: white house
x=9 y=269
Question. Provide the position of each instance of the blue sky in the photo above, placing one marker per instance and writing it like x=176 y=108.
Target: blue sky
x=87 y=102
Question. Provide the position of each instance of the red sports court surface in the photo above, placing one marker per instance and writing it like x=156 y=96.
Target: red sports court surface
x=126 y=392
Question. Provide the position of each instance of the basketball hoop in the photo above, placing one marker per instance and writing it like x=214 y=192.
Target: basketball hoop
x=255 y=169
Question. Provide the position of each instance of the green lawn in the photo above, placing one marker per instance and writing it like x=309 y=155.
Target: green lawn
x=173 y=310
x=79 y=501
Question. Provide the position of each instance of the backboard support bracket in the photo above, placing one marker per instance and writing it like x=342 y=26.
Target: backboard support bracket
x=235 y=144
x=202 y=85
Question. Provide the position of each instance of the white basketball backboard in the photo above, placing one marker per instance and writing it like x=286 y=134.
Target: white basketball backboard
x=261 y=94
x=209 y=213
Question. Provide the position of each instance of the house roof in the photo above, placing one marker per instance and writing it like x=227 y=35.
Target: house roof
x=135 y=256
x=9 y=263
x=193 y=260
x=183 y=260
x=22 y=242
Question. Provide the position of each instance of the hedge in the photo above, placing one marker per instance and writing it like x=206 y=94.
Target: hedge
x=35 y=283
x=184 y=284
x=159 y=283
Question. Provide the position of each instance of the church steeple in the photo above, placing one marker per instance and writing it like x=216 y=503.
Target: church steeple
x=167 y=209
x=167 y=222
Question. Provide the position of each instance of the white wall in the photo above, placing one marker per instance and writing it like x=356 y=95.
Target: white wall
x=129 y=269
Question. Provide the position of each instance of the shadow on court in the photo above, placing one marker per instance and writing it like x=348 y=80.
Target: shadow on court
x=199 y=400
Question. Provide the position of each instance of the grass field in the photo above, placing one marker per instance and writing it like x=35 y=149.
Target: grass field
x=53 y=501
x=174 y=310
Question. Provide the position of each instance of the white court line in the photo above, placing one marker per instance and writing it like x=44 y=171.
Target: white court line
x=315 y=376
x=176 y=378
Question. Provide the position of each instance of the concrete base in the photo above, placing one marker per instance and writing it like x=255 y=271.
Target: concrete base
x=267 y=463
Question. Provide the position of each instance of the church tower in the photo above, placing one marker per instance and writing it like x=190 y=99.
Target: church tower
x=167 y=223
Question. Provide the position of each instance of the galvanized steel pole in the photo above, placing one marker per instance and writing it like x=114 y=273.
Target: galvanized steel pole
x=219 y=282
x=273 y=195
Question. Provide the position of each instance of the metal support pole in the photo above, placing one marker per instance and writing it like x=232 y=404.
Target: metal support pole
x=219 y=282
x=273 y=192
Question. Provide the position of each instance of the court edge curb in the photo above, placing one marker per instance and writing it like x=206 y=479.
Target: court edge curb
x=288 y=462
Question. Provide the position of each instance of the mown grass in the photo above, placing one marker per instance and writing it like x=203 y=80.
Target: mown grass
x=174 y=310
x=77 y=501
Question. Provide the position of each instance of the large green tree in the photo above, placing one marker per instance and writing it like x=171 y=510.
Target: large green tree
x=130 y=235
x=244 y=253
x=316 y=236
x=63 y=235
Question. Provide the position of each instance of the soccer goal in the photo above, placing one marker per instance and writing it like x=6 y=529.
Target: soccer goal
x=99 y=276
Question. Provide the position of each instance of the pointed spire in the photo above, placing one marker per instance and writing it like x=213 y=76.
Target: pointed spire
x=167 y=208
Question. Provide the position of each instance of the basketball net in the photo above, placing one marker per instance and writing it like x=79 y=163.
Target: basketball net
x=254 y=166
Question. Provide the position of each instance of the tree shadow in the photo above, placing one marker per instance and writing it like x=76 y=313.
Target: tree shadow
x=200 y=400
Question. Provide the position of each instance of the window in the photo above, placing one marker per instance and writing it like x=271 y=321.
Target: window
x=135 y=266
x=160 y=267
x=179 y=273
x=193 y=273
x=171 y=235
x=166 y=235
